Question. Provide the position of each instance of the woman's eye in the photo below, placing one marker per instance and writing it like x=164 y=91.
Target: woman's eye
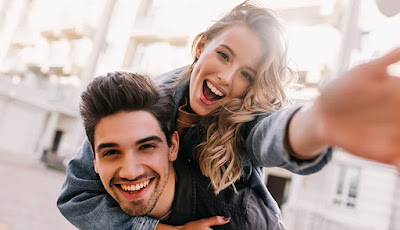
x=247 y=76
x=146 y=146
x=223 y=55
x=110 y=152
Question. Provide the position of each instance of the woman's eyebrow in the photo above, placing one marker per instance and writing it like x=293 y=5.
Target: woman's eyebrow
x=229 y=49
x=233 y=54
x=252 y=70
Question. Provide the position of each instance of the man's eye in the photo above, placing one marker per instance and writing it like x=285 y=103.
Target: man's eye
x=147 y=146
x=110 y=152
x=223 y=55
x=247 y=76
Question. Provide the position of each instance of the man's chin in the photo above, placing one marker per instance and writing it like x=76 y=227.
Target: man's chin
x=139 y=207
x=137 y=210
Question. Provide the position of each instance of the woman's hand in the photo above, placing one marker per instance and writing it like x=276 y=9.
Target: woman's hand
x=360 y=111
x=203 y=224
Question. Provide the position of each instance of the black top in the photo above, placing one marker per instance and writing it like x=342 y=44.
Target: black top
x=195 y=199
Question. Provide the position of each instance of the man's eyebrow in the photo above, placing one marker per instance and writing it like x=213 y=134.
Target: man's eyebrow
x=105 y=145
x=141 y=141
x=233 y=54
x=150 y=138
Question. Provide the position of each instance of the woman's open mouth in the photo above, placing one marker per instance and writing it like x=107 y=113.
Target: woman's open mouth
x=211 y=93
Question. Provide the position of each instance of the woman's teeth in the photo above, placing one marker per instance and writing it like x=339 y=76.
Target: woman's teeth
x=134 y=188
x=214 y=90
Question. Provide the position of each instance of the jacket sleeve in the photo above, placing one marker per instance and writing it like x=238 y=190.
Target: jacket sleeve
x=266 y=144
x=87 y=205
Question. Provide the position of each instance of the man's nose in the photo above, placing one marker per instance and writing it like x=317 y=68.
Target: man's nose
x=131 y=167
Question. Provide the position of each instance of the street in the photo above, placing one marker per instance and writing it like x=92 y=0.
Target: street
x=28 y=194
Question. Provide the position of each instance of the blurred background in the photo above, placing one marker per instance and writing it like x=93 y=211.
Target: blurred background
x=50 y=50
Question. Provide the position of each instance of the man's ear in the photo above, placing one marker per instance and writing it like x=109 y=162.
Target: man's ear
x=95 y=166
x=94 y=160
x=173 y=150
x=201 y=45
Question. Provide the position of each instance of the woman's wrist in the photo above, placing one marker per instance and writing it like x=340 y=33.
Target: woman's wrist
x=306 y=132
x=161 y=226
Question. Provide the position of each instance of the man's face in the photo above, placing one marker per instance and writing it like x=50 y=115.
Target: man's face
x=134 y=161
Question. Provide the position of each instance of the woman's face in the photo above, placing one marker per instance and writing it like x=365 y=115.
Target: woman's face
x=227 y=65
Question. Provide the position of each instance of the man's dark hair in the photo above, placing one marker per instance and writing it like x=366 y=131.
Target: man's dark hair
x=120 y=91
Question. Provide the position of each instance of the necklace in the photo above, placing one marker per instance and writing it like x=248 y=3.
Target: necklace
x=166 y=216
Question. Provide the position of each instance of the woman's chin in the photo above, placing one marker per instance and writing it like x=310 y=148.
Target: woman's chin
x=201 y=109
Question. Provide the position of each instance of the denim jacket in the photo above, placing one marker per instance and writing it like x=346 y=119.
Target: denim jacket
x=86 y=204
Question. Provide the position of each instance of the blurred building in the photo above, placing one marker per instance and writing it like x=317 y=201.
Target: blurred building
x=351 y=193
x=50 y=50
x=44 y=49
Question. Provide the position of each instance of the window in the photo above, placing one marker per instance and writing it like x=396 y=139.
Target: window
x=279 y=188
x=347 y=186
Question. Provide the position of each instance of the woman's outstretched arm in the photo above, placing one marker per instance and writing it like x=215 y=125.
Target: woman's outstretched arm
x=359 y=112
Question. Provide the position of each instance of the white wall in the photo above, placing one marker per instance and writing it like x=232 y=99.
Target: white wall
x=73 y=137
x=377 y=187
x=20 y=126
x=311 y=205
x=395 y=218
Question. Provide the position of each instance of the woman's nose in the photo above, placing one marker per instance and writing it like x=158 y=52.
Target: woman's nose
x=226 y=77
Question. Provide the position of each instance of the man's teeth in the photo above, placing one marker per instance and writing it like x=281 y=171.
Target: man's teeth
x=214 y=90
x=134 y=188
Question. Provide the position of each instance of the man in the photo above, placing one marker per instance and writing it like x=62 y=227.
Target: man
x=130 y=127
x=132 y=140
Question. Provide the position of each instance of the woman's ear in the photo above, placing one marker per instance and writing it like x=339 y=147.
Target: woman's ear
x=200 y=45
x=173 y=150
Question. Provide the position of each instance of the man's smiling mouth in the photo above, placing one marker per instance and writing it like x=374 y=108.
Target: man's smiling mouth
x=135 y=188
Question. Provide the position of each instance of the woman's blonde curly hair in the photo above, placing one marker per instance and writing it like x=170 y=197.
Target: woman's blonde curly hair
x=221 y=154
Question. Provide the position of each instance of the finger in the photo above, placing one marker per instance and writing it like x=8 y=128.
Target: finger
x=390 y=58
x=215 y=220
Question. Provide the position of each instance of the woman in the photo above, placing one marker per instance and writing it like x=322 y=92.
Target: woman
x=230 y=117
